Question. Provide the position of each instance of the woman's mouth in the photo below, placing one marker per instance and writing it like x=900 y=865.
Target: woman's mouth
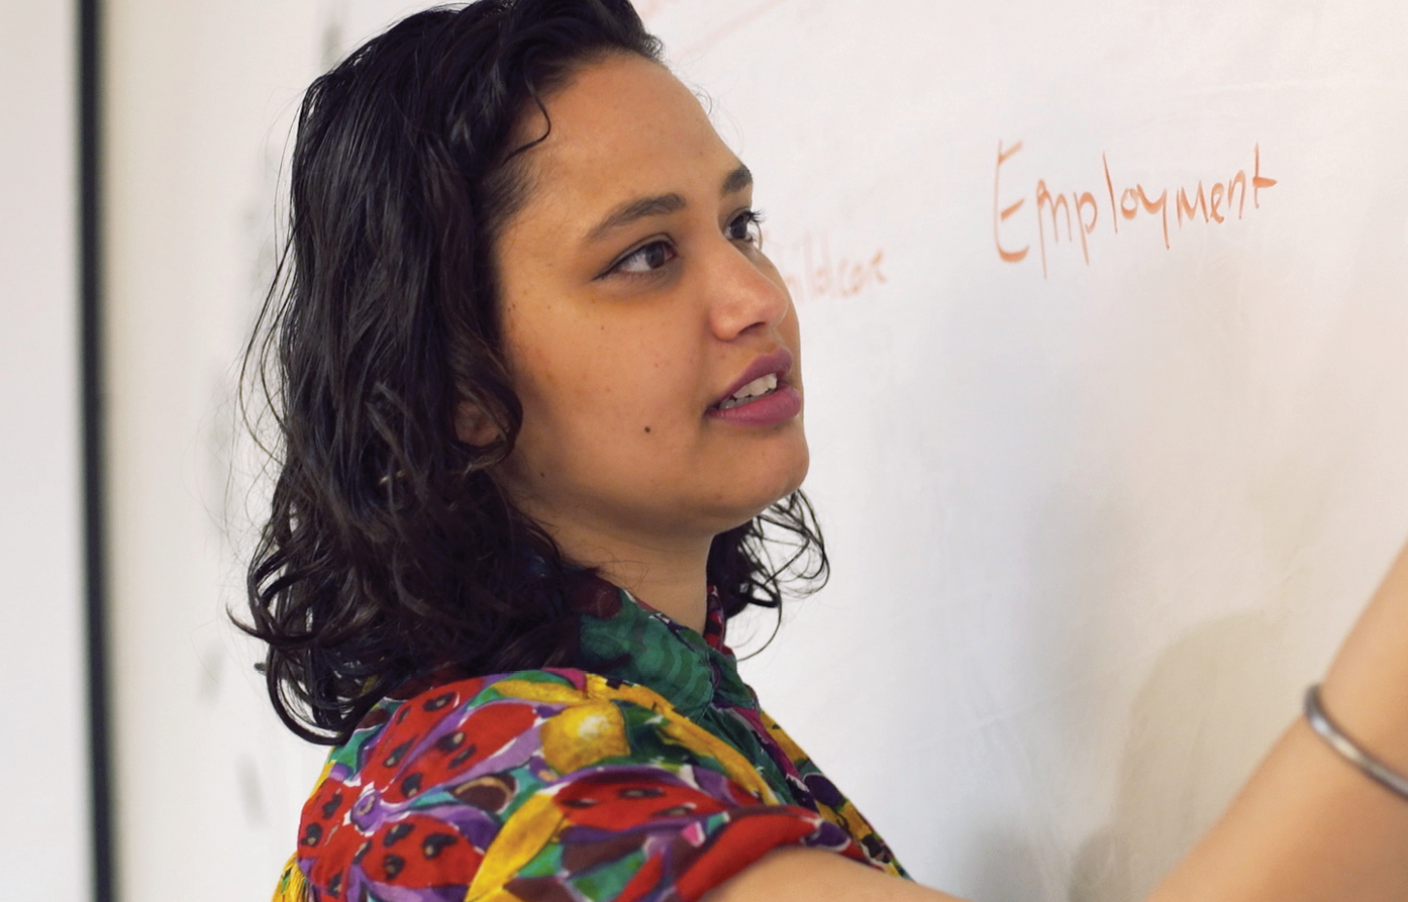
x=762 y=396
x=758 y=388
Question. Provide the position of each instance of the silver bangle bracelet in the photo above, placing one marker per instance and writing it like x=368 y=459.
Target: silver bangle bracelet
x=1321 y=723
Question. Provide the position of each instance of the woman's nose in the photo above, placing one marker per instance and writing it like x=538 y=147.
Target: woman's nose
x=744 y=292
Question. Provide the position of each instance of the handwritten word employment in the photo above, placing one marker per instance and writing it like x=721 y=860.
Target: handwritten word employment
x=1080 y=212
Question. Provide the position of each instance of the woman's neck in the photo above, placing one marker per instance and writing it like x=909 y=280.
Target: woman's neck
x=678 y=592
x=668 y=574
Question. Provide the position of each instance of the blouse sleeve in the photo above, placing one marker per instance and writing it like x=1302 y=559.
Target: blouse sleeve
x=543 y=785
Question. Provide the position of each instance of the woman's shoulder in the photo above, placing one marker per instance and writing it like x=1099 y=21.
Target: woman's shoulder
x=447 y=727
x=478 y=782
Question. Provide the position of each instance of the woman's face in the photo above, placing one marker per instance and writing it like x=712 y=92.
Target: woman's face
x=637 y=311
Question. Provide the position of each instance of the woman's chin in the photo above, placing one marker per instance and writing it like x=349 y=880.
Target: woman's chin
x=772 y=481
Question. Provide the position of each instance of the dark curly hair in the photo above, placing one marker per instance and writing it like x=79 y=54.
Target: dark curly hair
x=389 y=548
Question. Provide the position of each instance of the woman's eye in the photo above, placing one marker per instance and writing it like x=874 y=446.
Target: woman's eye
x=646 y=258
x=746 y=226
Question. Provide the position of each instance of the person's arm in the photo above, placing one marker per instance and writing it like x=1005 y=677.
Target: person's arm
x=812 y=875
x=1309 y=826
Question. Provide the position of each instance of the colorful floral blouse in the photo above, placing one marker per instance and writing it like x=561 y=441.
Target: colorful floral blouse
x=652 y=774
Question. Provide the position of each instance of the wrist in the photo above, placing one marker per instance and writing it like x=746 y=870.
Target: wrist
x=1351 y=749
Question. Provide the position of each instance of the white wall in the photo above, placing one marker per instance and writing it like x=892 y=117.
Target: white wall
x=44 y=789
x=1093 y=530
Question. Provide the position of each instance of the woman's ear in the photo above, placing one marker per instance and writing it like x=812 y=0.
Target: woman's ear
x=475 y=427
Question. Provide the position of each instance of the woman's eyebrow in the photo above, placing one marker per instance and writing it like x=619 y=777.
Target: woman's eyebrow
x=631 y=211
x=661 y=204
x=737 y=180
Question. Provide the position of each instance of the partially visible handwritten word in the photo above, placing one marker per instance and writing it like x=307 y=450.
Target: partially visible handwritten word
x=1079 y=211
x=648 y=9
x=811 y=272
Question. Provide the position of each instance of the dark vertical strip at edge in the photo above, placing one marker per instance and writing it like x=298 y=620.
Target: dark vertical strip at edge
x=94 y=447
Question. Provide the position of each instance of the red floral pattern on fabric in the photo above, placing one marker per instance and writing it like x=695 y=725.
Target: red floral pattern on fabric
x=567 y=786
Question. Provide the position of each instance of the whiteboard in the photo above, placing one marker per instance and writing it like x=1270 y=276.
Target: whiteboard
x=44 y=788
x=1106 y=426
x=1104 y=478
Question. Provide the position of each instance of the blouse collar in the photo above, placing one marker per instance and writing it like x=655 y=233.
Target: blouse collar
x=625 y=638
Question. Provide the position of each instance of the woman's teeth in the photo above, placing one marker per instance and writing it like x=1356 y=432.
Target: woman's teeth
x=763 y=385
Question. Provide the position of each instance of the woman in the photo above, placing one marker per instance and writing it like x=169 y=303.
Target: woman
x=540 y=394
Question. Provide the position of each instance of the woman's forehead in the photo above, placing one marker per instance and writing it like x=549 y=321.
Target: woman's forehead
x=623 y=127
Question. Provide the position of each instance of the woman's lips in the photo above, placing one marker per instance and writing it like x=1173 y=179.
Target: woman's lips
x=778 y=406
x=777 y=363
x=773 y=409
